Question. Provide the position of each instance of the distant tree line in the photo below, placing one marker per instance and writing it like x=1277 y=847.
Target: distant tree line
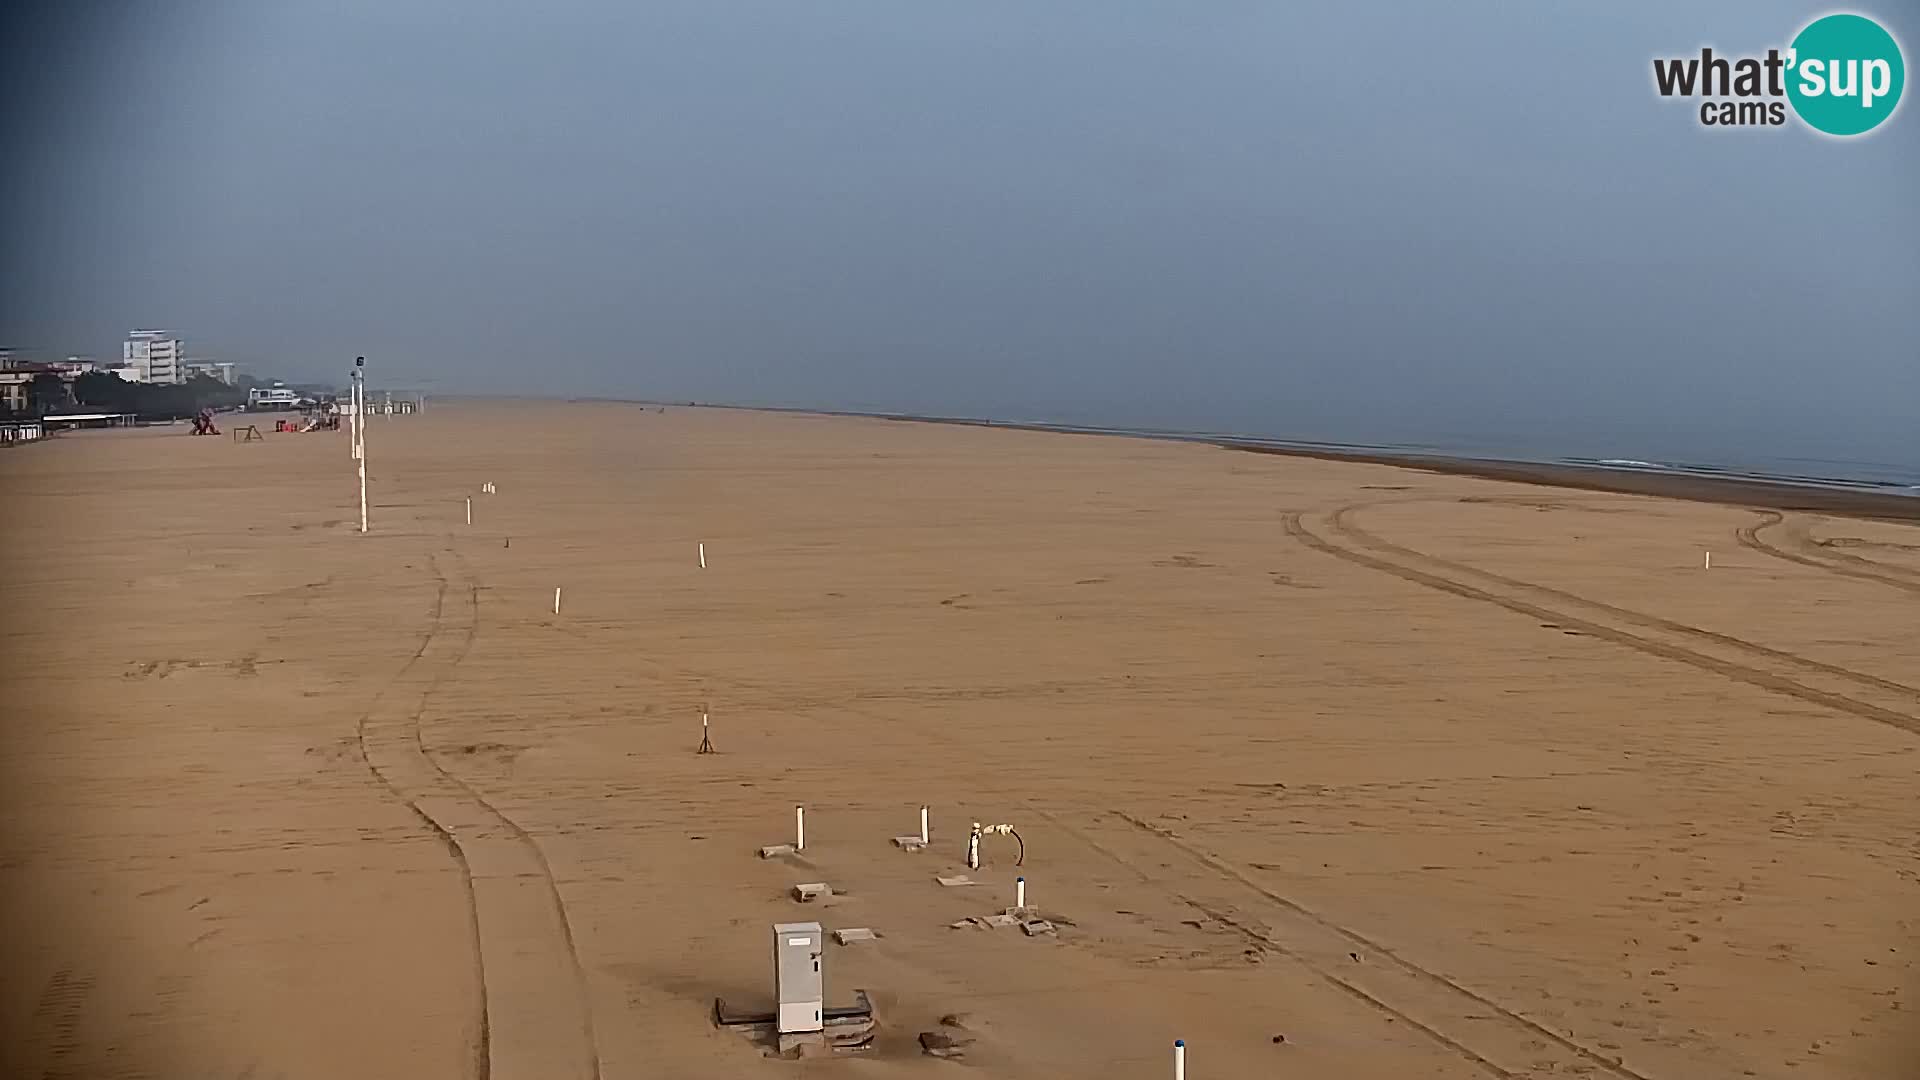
x=150 y=401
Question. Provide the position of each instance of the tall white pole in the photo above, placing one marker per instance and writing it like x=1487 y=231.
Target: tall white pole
x=360 y=433
x=799 y=828
x=923 y=825
x=1179 y=1059
x=469 y=509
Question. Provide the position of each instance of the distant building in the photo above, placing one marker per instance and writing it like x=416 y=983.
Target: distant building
x=272 y=398
x=16 y=381
x=213 y=369
x=155 y=355
x=62 y=421
x=13 y=390
x=15 y=432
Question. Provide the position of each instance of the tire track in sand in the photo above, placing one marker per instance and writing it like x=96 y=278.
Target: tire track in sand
x=52 y=1039
x=535 y=1019
x=1496 y=1039
x=1445 y=1011
x=1342 y=521
x=1845 y=564
x=1667 y=650
x=1455 y=1017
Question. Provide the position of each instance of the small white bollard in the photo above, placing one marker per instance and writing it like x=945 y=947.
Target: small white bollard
x=556 y=599
x=469 y=509
x=923 y=826
x=1020 y=893
x=703 y=556
x=1709 y=564
x=799 y=828
x=1179 y=1059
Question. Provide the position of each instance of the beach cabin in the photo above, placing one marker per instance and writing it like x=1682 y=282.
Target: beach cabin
x=15 y=432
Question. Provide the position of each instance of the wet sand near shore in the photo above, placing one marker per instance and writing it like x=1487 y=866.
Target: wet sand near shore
x=1329 y=768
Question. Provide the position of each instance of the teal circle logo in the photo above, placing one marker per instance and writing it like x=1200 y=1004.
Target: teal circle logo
x=1845 y=74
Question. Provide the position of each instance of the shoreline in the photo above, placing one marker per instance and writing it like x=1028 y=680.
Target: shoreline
x=1757 y=492
x=1836 y=498
x=1724 y=491
x=1749 y=491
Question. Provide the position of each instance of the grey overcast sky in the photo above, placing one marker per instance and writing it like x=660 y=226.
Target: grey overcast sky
x=1467 y=222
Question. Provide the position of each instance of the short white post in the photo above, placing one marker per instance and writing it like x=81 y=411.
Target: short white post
x=799 y=828
x=1179 y=1059
x=469 y=509
x=1020 y=893
x=1709 y=565
x=556 y=599
x=973 y=848
x=703 y=555
x=923 y=825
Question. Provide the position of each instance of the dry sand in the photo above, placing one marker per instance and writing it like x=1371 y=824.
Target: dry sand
x=1435 y=776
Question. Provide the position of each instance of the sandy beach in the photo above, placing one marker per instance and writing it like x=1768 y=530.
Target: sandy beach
x=1331 y=769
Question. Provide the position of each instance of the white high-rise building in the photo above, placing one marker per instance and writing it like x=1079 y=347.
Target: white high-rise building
x=155 y=355
x=216 y=369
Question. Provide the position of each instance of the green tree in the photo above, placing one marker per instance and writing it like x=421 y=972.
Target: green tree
x=156 y=401
x=99 y=390
x=46 y=392
x=207 y=392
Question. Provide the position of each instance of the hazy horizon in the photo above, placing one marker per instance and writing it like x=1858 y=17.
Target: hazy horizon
x=1363 y=223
